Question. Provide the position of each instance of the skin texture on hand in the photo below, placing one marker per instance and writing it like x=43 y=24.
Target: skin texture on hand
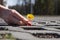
x=13 y=17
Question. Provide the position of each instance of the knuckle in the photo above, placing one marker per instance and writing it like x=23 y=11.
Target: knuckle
x=13 y=10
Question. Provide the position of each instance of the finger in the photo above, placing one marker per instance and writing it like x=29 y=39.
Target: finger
x=20 y=17
x=15 y=21
x=17 y=15
x=29 y=23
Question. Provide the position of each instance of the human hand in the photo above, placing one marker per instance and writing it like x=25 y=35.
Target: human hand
x=13 y=17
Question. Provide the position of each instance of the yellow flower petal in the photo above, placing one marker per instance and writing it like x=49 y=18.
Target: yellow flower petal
x=30 y=16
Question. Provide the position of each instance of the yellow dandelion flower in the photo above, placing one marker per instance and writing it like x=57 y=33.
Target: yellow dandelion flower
x=30 y=16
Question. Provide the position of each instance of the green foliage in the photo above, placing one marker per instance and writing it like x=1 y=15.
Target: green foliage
x=44 y=7
x=41 y=7
x=42 y=1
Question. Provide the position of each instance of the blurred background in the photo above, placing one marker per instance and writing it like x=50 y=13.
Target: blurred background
x=36 y=7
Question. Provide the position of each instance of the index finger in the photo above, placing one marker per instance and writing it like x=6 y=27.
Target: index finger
x=20 y=17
